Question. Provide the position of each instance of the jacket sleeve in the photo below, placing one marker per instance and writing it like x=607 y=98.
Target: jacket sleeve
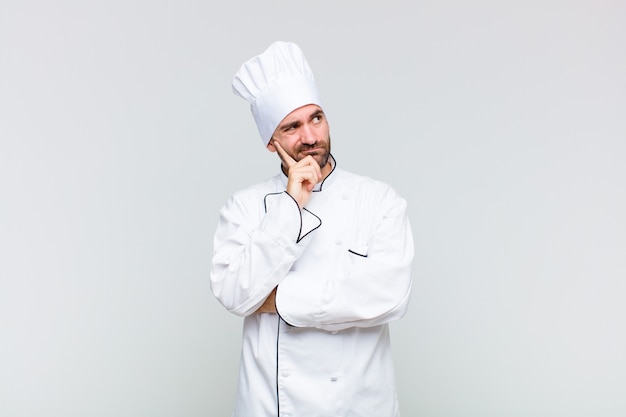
x=257 y=240
x=372 y=284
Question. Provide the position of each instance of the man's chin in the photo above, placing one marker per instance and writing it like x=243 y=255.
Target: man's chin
x=322 y=160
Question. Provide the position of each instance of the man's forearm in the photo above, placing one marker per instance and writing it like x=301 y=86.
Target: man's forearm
x=269 y=305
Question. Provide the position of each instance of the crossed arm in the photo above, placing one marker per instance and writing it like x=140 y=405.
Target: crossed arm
x=255 y=252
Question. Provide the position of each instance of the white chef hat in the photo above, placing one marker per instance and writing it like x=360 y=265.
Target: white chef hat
x=275 y=83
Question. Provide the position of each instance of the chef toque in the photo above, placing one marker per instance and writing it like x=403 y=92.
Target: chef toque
x=275 y=83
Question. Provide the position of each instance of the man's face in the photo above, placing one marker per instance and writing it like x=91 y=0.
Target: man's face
x=304 y=132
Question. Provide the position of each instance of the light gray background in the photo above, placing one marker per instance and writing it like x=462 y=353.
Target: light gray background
x=502 y=123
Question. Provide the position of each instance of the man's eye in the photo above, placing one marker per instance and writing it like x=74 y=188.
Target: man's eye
x=317 y=119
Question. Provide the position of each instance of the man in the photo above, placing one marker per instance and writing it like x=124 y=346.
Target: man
x=317 y=260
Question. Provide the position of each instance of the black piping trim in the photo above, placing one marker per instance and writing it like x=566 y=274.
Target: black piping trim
x=297 y=205
x=356 y=253
x=329 y=174
x=277 y=390
x=265 y=199
x=298 y=238
x=278 y=312
x=315 y=228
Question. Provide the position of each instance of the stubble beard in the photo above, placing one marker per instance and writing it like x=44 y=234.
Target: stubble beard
x=321 y=159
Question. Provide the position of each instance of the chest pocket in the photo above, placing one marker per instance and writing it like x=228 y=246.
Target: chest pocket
x=358 y=250
x=360 y=230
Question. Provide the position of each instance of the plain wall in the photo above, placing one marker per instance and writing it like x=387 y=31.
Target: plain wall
x=502 y=124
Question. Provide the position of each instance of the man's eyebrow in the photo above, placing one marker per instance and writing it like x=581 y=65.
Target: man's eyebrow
x=286 y=126
x=318 y=112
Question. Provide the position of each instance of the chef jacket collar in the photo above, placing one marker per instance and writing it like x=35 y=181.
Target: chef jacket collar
x=326 y=182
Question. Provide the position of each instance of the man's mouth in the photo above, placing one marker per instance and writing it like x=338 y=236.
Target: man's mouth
x=311 y=151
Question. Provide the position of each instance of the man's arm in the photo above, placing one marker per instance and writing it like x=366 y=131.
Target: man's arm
x=371 y=286
x=269 y=305
x=258 y=238
x=246 y=269
x=253 y=250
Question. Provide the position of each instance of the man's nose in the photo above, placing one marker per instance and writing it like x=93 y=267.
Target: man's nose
x=307 y=135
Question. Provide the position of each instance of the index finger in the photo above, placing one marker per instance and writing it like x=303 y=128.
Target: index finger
x=283 y=154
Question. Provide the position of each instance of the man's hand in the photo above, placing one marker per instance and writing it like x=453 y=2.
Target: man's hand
x=269 y=306
x=302 y=174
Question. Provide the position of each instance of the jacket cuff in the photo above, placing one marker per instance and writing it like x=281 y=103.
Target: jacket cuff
x=284 y=218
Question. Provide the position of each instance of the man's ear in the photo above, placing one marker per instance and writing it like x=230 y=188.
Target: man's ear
x=270 y=146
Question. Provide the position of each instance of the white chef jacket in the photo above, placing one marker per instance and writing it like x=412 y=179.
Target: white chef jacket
x=342 y=267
